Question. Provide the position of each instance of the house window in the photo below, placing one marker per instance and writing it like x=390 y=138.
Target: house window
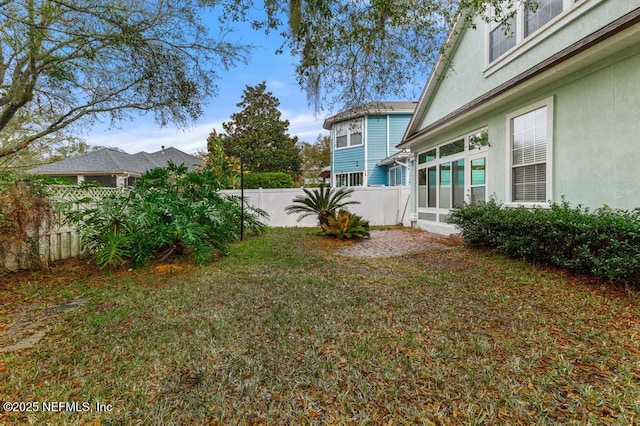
x=540 y=14
x=452 y=148
x=530 y=153
x=397 y=176
x=502 y=38
x=350 y=179
x=523 y=20
x=450 y=174
x=349 y=134
x=425 y=157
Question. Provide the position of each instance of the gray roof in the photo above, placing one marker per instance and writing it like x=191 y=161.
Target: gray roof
x=372 y=108
x=108 y=160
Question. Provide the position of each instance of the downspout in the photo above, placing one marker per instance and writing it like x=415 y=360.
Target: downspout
x=406 y=166
x=365 y=142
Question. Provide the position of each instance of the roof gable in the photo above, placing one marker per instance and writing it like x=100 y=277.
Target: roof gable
x=459 y=86
x=108 y=160
x=371 y=108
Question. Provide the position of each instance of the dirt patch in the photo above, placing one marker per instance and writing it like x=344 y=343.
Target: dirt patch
x=32 y=325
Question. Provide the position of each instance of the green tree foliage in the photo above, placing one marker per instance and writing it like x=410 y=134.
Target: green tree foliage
x=254 y=180
x=69 y=63
x=354 y=52
x=259 y=135
x=170 y=211
x=322 y=202
x=225 y=169
x=315 y=156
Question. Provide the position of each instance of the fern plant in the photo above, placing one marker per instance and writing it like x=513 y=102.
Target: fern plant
x=170 y=211
x=346 y=225
x=322 y=202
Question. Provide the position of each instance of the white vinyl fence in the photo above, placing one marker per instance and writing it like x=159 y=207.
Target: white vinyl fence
x=378 y=205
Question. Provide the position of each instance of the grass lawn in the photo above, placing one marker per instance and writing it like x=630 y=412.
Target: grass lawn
x=283 y=331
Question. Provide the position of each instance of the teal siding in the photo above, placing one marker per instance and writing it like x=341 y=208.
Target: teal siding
x=377 y=145
x=397 y=126
x=376 y=149
x=348 y=160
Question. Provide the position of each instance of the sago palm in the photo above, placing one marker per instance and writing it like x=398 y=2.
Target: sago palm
x=321 y=202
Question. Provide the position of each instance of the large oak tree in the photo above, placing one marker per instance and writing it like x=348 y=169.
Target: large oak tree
x=66 y=62
x=351 y=52
x=70 y=62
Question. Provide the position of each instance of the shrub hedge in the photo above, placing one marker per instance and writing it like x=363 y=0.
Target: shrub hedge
x=267 y=180
x=602 y=242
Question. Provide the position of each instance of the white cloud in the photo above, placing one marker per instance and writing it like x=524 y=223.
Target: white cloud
x=277 y=85
x=150 y=138
x=306 y=127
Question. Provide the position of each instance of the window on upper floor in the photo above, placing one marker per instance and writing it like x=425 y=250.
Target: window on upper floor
x=348 y=134
x=542 y=12
x=527 y=18
x=501 y=38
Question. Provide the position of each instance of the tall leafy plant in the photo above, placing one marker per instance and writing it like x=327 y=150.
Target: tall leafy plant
x=171 y=211
x=322 y=202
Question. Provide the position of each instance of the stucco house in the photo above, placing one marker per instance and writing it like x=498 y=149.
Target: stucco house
x=546 y=109
x=109 y=167
x=363 y=145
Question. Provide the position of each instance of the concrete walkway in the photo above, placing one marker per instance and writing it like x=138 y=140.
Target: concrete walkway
x=397 y=242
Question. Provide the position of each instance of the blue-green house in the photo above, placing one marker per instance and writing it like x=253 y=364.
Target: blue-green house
x=544 y=109
x=363 y=145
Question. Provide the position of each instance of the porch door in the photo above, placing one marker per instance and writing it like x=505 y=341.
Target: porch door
x=477 y=178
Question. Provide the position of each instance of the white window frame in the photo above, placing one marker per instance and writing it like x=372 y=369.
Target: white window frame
x=564 y=5
x=548 y=103
x=350 y=178
x=393 y=175
x=438 y=211
x=570 y=11
x=348 y=129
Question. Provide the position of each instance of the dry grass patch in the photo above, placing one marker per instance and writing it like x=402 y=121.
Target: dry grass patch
x=285 y=332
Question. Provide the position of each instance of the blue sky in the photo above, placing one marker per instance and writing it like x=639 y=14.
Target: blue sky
x=143 y=134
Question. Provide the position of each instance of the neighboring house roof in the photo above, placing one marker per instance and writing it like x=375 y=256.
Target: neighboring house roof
x=558 y=65
x=106 y=160
x=404 y=107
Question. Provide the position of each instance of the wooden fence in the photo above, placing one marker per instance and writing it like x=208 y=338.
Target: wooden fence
x=62 y=241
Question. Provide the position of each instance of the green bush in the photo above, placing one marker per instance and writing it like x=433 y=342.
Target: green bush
x=604 y=242
x=322 y=202
x=169 y=211
x=267 y=180
x=346 y=225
